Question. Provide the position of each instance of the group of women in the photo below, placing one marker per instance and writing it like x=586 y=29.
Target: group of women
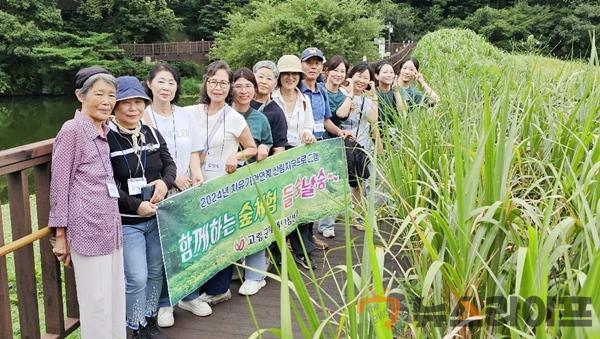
x=129 y=146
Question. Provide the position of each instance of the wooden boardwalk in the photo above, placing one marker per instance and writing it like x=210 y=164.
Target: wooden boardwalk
x=232 y=319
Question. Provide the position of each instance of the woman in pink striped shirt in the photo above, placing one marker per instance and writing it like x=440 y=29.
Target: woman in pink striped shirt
x=84 y=209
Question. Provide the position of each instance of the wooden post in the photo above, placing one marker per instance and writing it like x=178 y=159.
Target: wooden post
x=20 y=217
x=53 y=302
x=71 y=292
x=5 y=318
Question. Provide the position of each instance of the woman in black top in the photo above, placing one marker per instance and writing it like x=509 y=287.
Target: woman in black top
x=143 y=171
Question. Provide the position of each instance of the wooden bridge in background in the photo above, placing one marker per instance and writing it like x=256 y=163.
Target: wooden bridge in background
x=170 y=51
x=198 y=50
x=58 y=293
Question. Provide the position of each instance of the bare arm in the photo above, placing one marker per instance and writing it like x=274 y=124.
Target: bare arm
x=249 y=150
x=195 y=169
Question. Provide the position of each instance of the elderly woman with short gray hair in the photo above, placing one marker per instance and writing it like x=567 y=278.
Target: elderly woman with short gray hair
x=266 y=74
x=83 y=207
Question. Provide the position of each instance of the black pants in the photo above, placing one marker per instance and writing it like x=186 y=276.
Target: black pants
x=219 y=283
x=302 y=233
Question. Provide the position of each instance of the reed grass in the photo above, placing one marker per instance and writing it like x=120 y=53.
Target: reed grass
x=491 y=195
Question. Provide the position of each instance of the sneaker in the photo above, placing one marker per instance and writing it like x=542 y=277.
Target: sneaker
x=320 y=244
x=307 y=262
x=358 y=223
x=329 y=233
x=251 y=287
x=152 y=330
x=215 y=299
x=196 y=306
x=165 y=317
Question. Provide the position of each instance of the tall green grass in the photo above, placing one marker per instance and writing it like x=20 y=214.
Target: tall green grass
x=491 y=195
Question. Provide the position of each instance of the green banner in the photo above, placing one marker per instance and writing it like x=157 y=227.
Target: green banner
x=206 y=228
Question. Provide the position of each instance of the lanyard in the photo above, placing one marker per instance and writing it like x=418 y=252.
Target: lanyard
x=362 y=106
x=209 y=136
x=137 y=155
x=101 y=160
x=174 y=129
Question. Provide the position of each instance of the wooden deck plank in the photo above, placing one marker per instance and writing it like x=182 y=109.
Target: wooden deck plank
x=232 y=319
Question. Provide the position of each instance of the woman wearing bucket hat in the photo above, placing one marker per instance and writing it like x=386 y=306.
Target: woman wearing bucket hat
x=300 y=122
x=144 y=171
x=84 y=209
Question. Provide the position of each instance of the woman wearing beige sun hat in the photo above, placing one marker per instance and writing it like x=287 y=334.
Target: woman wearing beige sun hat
x=299 y=116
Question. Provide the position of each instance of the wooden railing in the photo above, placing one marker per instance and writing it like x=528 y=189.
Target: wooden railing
x=167 y=51
x=198 y=50
x=396 y=58
x=17 y=164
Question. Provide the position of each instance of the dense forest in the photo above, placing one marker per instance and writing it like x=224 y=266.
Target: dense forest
x=43 y=42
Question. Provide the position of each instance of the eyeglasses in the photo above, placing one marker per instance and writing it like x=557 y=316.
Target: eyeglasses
x=214 y=83
x=240 y=86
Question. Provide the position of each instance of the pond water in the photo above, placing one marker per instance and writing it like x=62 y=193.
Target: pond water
x=24 y=120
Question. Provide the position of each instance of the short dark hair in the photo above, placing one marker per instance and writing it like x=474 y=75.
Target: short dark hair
x=211 y=70
x=245 y=73
x=363 y=66
x=414 y=61
x=334 y=62
x=152 y=74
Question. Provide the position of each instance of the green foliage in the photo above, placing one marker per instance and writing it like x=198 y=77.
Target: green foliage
x=203 y=18
x=563 y=31
x=187 y=68
x=270 y=29
x=141 y=21
x=559 y=28
x=36 y=59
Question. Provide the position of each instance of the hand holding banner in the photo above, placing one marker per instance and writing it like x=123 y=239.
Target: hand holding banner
x=206 y=228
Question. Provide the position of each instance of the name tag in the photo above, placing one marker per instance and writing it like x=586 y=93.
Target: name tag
x=135 y=185
x=293 y=139
x=113 y=192
x=319 y=128
x=213 y=166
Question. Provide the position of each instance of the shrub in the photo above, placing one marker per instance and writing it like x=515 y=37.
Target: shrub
x=269 y=29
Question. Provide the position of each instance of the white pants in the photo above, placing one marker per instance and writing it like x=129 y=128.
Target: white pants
x=101 y=294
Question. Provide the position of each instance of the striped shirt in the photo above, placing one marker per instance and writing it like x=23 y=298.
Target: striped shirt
x=79 y=198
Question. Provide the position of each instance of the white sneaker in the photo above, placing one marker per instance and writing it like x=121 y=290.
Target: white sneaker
x=251 y=287
x=215 y=299
x=196 y=306
x=329 y=233
x=165 y=317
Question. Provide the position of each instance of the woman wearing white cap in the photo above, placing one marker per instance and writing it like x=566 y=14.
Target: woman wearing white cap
x=300 y=122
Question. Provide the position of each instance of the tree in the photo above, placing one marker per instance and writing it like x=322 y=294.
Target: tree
x=37 y=56
x=202 y=18
x=269 y=29
x=403 y=17
x=142 y=21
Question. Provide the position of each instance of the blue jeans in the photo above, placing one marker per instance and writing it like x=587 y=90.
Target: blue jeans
x=257 y=261
x=143 y=271
x=326 y=223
